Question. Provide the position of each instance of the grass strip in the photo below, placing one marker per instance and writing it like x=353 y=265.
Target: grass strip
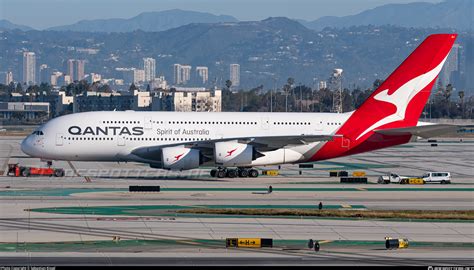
x=401 y=214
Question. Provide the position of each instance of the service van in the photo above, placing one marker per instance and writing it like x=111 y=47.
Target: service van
x=437 y=177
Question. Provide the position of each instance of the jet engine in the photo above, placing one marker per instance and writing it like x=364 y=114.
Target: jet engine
x=233 y=153
x=180 y=158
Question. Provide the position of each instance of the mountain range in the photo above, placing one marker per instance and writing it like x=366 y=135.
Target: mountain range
x=454 y=14
x=7 y=25
x=457 y=14
x=148 y=21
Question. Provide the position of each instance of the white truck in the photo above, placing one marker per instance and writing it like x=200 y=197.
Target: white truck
x=392 y=178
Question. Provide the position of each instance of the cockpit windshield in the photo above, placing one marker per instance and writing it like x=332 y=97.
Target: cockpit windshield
x=37 y=132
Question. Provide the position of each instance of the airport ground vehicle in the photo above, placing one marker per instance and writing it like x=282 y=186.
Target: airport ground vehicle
x=17 y=170
x=392 y=178
x=437 y=177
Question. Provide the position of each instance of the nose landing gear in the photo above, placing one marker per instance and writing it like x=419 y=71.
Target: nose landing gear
x=232 y=173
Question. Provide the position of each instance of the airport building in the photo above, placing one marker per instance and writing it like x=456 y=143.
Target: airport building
x=187 y=99
x=95 y=101
x=24 y=111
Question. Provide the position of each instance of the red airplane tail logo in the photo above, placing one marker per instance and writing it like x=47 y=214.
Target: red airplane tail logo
x=397 y=103
x=400 y=99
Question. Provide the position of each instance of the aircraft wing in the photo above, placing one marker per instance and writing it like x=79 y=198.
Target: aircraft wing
x=261 y=143
x=424 y=130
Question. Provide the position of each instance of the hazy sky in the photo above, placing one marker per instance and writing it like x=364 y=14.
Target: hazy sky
x=41 y=14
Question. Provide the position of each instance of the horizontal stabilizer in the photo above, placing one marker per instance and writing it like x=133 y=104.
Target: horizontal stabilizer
x=424 y=131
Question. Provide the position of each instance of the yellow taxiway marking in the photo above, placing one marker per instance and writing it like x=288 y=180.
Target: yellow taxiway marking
x=346 y=205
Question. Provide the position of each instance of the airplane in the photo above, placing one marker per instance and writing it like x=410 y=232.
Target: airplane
x=236 y=142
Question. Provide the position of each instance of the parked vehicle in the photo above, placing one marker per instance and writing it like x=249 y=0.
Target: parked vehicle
x=437 y=177
x=392 y=178
x=16 y=170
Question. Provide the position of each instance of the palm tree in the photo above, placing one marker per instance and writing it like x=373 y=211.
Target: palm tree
x=228 y=84
x=461 y=97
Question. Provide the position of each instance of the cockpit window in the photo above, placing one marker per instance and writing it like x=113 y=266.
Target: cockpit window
x=38 y=132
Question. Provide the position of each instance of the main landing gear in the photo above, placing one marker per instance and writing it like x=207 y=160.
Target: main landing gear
x=232 y=173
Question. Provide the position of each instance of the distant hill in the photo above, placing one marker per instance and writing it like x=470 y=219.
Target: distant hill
x=268 y=51
x=147 y=21
x=7 y=25
x=458 y=14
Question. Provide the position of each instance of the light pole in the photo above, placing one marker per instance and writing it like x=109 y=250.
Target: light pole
x=301 y=97
x=271 y=94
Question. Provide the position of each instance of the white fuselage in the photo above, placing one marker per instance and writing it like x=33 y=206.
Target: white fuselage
x=112 y=136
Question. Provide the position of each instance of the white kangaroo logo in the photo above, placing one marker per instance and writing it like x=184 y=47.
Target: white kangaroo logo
x=403 y=95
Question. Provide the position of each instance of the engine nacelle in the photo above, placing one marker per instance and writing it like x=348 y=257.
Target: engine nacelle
x=180 y=158
x=233 y=153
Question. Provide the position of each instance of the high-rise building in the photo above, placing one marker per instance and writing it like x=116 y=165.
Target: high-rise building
x=55 y=77
x=76 y=69
x=44 y=74
x=202 y=74
x=177 y=73
x=235 y=74
x=79 y=68
x=8 y=77
x=450 y=66
x=182 y=74
x=138 y=76
x=185 y=74
x=29 y=67
x=70 y=68
x=149 y=66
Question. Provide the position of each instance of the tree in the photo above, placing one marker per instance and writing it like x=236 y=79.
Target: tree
x=132 y=88
x=19 y=88
x=447 y=96
x=461 y=98
x=377 y=84
x=228 y=84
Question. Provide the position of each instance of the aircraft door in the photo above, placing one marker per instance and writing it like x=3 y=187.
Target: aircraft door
x=265 y=122
x=59 y=139
x=147 y=123
x=120 y=141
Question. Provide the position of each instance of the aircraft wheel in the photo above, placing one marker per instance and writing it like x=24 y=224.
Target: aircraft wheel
x=253 y=173
x=220 y=174
x=243 y=173
x=232 y=173
x=213 y=172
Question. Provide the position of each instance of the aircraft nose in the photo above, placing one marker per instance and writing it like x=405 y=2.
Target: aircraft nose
x=27 y=146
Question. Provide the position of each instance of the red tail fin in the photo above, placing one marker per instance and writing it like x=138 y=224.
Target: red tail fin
x=400 y=99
